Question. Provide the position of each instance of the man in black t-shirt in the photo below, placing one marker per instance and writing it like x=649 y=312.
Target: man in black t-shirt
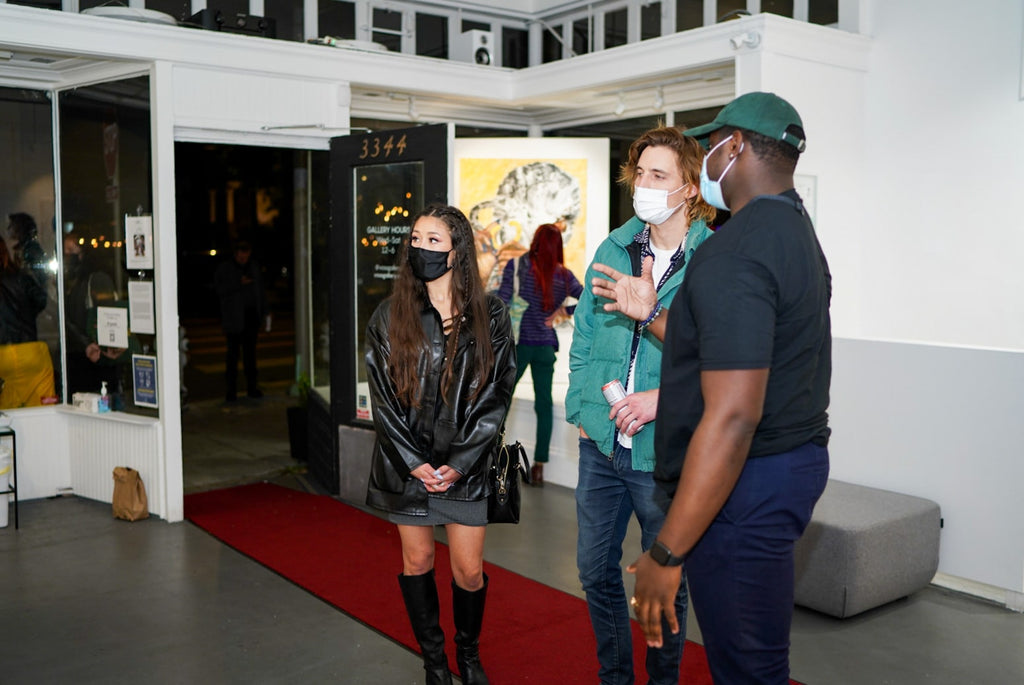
x=742 y=431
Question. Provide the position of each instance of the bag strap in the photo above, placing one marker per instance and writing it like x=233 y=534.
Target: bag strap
x=524 y=462
x=515 y=275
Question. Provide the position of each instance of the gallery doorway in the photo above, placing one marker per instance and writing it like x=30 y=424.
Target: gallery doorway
x=226 y=196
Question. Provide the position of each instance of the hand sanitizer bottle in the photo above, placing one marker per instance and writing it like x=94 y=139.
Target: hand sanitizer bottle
x=104 y=404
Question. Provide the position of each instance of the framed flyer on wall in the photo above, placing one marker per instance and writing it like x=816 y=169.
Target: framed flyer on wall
x=144 y=377
x=138 y=242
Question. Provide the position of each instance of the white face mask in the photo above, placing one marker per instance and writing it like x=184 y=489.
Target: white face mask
x=710 y=190
x=651 y=204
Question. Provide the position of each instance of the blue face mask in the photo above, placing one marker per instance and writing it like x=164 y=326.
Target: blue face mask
x=710 y=190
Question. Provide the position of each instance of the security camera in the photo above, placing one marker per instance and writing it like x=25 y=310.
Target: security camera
x=750 y=39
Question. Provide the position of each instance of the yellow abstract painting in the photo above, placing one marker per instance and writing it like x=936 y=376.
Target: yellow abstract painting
x=507 y=199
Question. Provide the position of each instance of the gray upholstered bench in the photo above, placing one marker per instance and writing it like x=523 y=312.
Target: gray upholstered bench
x=865 y=547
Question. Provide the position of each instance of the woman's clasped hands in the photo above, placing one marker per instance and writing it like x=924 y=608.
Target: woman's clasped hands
x=436 y=480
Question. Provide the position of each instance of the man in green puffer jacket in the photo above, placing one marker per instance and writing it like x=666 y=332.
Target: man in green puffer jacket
x=617 y=441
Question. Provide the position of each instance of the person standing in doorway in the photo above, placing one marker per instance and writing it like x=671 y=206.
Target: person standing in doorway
x=616 y=463
x=541 y=279
x=239 y=284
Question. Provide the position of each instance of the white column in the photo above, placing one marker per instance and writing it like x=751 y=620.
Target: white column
x=161 y=103
x=536 y=43
x=853 y=16
x=710 y=12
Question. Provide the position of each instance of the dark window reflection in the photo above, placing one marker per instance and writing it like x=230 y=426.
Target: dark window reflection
x=823 y=11
x=336 y=19
x=689 y=14
x=387 y=26
x=514 y=48
x=783 y=8
x=43 y=4
x=581 y=36
x=431 y=35
x=470 y=25
x=320 y=268
x=650 y=21
x=287 y=15
x=30 y=360
x=615 y=28
x=106 y=174
x=551 y=44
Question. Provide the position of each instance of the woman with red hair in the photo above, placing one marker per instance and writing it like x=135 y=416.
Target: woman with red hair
x=544 y=283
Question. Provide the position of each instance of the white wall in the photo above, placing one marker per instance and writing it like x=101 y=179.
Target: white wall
x=829 y=95
x=945 y=124
x=918 y=162
x=942 y=423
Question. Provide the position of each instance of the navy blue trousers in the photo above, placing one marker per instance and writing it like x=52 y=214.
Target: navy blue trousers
x=741 y=570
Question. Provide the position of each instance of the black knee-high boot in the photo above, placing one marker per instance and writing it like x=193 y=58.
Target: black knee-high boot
x=469 y=617
x=421 y=603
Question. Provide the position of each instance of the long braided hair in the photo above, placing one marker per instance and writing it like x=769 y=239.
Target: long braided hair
x=469 y=310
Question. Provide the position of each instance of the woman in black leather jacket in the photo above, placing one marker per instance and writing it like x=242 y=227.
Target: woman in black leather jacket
x=441 y=368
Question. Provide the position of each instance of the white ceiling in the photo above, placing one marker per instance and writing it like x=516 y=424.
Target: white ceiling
x=619 y=83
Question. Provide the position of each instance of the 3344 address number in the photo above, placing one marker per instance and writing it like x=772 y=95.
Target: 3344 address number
x=373 y=147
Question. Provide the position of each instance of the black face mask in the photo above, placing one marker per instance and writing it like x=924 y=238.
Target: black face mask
x=428 y=265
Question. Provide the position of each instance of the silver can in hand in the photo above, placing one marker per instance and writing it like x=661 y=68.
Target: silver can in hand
x=614 y=392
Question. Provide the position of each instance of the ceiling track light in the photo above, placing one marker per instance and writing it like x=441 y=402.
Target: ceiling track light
x=659 y=99
x=621 y=107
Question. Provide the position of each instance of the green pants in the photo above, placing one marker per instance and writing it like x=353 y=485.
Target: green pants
x=541 y=360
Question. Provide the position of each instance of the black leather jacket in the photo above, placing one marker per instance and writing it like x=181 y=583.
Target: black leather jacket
x=460 y=433
x=21 y=301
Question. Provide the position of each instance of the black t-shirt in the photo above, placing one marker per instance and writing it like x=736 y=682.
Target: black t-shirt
x=756 y=296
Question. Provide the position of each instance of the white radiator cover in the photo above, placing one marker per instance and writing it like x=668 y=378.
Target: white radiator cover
x=100 y=443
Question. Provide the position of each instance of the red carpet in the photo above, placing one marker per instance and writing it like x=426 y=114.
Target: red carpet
x=350 y=559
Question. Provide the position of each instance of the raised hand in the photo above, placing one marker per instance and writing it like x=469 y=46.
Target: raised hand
x=633 y=296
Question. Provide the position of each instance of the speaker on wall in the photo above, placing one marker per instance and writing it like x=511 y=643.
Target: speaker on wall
x=476 y=47
x=215 y=20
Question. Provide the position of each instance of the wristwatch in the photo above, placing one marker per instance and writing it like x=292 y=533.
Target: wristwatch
x=663 y=555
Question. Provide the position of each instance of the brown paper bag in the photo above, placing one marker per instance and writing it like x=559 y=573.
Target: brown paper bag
x=130 y=502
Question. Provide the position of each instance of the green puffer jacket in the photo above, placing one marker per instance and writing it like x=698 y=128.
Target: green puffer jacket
x=601 y=344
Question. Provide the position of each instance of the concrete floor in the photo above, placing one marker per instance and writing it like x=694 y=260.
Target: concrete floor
x=86 y=598
x=230 y=444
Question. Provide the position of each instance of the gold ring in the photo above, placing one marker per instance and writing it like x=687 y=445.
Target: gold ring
x=634 y=602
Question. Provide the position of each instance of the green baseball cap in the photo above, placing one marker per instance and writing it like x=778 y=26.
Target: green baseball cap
x=764 y=113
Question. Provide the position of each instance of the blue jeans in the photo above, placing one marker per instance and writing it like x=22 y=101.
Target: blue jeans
x=741 y=570
x=608 y=493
